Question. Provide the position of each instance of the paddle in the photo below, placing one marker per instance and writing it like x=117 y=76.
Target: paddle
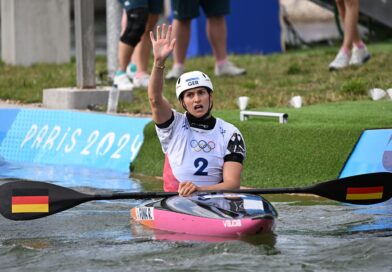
x=26 y=200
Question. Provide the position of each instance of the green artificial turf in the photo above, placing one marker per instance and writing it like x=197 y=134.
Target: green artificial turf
x=313 y=146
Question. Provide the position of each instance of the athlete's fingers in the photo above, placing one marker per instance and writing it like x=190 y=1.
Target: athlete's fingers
x=168 y=34
x=152 y=37
x=191 y=189
x=164 y=31
x=186 y=192
x=183 y=192
x=181 y=188
x=158 y=33
x=182 y=185
x=186 y=188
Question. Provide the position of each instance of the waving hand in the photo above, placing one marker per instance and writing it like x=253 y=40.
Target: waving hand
x=163 y=44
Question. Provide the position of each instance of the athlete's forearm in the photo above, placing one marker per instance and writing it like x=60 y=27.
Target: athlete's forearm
x=156 y=83
x=160 y=107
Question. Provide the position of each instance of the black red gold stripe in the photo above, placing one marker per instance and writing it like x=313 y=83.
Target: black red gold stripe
x=33 y=201
x=365 y=193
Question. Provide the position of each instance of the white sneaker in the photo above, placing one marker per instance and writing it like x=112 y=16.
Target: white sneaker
x=175 y=72
x=229 y=69
x=141 y=81
x=123 y=83
x=131 y=70
x=359 y=56
x=341 y=61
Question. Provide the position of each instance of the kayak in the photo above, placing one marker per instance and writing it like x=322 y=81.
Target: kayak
x=210 y=214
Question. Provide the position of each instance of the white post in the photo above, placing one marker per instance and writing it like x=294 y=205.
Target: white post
x=113 y=28
x=85 y=43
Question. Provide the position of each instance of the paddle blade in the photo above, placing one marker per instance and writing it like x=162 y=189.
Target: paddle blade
x=363 y=189
x=26 y=200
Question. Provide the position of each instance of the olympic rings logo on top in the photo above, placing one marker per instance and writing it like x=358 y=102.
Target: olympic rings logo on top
x=202 y=145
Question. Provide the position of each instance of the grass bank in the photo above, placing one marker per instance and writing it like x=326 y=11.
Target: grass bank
x=312 y=146
x=270 y=81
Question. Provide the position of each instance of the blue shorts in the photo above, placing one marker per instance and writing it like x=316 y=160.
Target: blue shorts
x=154 y=6
x=189 y=9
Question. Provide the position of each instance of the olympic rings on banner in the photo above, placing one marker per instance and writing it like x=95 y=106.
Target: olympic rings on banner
x=202 y=145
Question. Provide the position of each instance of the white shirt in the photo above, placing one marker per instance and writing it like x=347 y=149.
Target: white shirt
x=197 y=155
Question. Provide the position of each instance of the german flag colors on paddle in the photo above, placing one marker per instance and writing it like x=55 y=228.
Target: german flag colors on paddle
x=365 y=193
x=26 y=200
x=30 y=201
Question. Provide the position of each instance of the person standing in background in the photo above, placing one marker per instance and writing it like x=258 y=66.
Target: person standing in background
x=184 y=11
x=353 y=50
x=137 y=18
x=137 y=69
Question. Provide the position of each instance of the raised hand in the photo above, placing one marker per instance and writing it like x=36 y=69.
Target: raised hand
x=163 y=44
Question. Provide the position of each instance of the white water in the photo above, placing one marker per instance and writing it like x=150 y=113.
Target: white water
x=311 y=234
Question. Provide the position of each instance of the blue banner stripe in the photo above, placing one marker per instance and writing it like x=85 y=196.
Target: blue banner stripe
x=372 y=153
x=7 y=117
x=72 y=138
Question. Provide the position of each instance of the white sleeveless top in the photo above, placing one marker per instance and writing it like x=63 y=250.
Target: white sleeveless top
x=196 y=155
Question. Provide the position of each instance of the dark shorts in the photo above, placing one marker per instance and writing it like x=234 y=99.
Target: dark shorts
x=154 y=6
x=189 y=9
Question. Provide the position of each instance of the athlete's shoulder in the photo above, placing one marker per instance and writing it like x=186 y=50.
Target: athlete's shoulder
x=226 y=128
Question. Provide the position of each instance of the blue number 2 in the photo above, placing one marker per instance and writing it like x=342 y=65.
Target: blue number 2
x=201 y=164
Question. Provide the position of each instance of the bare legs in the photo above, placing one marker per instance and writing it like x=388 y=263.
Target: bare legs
x=124 y=55
x=217 y=36
x=353 y=50
x=142 y=51
x=139 y=55
x=181 y=30
x=348 y=11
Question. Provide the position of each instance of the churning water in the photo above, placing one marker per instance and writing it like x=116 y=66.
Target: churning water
x=311 y=234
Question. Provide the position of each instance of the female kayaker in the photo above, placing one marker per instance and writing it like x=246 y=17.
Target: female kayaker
x=201 y=152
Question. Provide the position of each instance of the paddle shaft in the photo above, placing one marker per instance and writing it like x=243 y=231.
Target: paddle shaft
x=136 y=195
x=147 y=195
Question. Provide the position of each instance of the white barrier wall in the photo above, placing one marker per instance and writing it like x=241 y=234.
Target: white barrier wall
x=35 y=31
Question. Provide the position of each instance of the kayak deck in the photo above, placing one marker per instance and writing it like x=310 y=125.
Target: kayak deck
x=208 y=214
